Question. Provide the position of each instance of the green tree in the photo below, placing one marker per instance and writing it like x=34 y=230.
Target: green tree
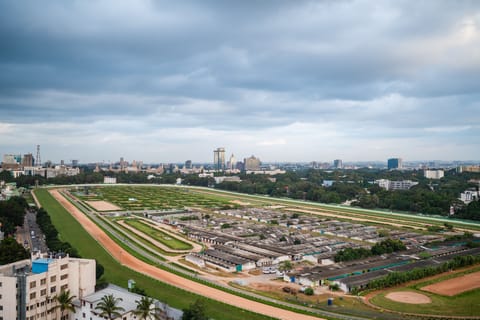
x=146 y=309
x=64 y=303
x=196 y=311
x=11 y=251
x=108 y=307
x=285 y=266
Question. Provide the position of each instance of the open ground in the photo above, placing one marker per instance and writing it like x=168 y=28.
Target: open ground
x=452 y=287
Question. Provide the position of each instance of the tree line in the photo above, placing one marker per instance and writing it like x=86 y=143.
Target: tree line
x=385 y=246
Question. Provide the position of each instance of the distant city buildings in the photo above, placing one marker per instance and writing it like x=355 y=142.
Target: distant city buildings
x=188 y=164
x=395 y=185
x=338 y=164
x=469 y=195
x=251 y=164
x=109 y=180
x=468 y=168
x=232 y=163
x=434 y=174
x=395 y=164
x=219 y=159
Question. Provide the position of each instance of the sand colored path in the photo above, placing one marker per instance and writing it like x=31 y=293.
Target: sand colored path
x=101 y=205
x=130 y=261
x=452 y=287
x=408 y=297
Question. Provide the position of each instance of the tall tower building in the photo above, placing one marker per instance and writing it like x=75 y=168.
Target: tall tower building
x=38 y=161
x=232 y=162
x=252 y=164
x=219 y=159
x=188 y=164
x=27 y=160
x=338 y=164
x=394 y=163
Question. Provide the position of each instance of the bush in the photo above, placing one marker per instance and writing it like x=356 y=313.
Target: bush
x=309 y=291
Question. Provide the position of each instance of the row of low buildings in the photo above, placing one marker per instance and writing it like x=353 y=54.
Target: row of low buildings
x=244 y=239
x=358 y=274
x=28 y=288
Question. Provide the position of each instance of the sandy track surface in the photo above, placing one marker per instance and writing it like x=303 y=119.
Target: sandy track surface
x=130 y=261
x=454 y=286
x=101 y=205
x=408 y=297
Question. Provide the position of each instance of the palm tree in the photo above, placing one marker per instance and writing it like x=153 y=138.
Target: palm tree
x=146 y=309
x=108 y=307
x=64 y=303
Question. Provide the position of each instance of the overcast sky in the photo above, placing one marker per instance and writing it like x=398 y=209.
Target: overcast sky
x=167 y=81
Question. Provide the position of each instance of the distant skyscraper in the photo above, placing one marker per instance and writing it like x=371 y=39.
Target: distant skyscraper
x=394 y=163
x=38 y=160
x=219 y=159
x=232 y=162
x=338 y=164
x=188 y=164
x=252 y=164
x=74 y=163
x=27 y=160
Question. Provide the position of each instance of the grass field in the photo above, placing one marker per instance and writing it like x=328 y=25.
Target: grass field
x=156 y=234
x=152 y=198
x=70 y=230
x=464 y=304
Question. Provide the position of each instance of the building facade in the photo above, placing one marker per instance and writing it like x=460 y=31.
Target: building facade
x=252 y=164
x=434 y=174
x=395 y=163
x=219 y=159
x=338 y=164
x=28 y=287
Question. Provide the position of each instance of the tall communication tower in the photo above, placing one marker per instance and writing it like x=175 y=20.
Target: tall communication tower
x=37 y=158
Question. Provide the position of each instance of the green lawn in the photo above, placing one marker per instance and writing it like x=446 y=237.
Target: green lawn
x=71 y=231
x=152 y=198
x=164 y=238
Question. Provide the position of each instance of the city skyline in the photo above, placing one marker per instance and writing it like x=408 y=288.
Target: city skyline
x=287 y=82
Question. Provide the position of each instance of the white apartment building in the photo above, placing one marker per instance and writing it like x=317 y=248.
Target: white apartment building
x=434 y=174
x=27 y=287
x=469 y=195
x=395 y=185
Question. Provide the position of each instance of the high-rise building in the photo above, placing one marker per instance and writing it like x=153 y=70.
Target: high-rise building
x=232 y=162
x=219 y=159
x=28 y=286
x=394 y=163
x=338 y=164
x=74 y=163
x=252 y=164
x=188 y=164
x=27 y=160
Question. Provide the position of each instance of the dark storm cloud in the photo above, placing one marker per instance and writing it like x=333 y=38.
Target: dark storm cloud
x=241 y=66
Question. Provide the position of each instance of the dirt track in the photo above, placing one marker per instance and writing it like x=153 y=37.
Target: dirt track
x=130 y=261
x=409 y=297
x=454 y=286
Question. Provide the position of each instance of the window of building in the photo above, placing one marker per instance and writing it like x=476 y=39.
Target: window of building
x=64 y=266
x=64 y=288
x=1 y=307
x=53 y=289
x=43 y=292
x=33 y=295
x=53 y=278
x=43 y=281
x=33 y=284
x=63 y=277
